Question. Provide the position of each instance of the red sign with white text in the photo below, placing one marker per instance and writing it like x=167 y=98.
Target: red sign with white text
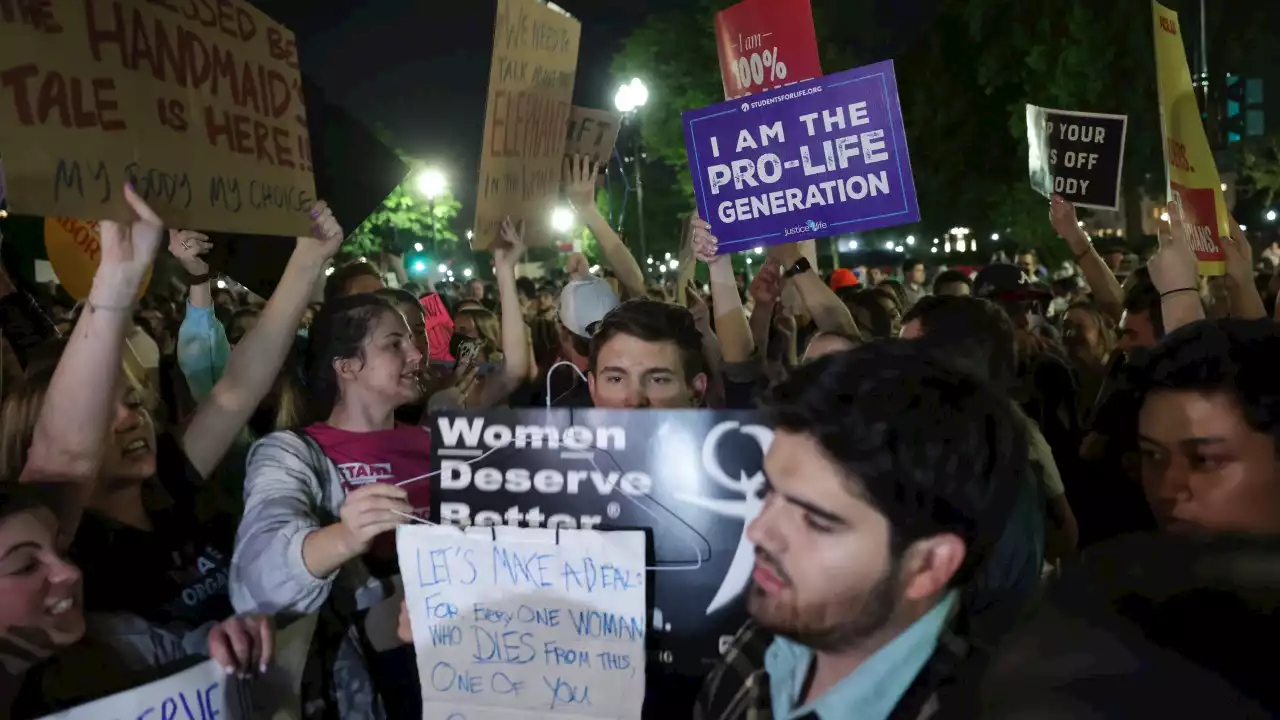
x=766 y=44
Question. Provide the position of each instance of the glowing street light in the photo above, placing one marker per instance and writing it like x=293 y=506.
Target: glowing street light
x=419 y=267
x=995 y=236
x=1271 y=216
x=470 y=234
x=911 y=239
x=431 y=183
x=442 y=268
x=759 y=251
x=631 y=96
x=417 y=247
x=888 y=245
x=466 y=272
x=562 y=219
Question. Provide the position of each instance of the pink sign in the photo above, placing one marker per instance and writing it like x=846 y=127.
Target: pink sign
x=439 y=327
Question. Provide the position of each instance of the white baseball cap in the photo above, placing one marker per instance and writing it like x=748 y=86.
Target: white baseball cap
x=583 y=303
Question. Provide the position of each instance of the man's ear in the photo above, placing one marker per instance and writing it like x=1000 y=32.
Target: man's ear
x=930 y=564
x=699 y=387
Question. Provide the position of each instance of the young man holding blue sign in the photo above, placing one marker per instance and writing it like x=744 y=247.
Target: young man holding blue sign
x=891 y=479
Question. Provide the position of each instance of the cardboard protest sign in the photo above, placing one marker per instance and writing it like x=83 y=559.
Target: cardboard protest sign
x=1077 y=155
x=592 y=132
x=535 y=58
x=74 y=251
x=199 y=105
x=690 y=478
x=766 y=44
x=525 y=622
x=439 y=327
x=825 y=157
x=1190 y=173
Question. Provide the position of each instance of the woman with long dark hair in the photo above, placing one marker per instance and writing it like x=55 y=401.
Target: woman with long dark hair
x=321 y=502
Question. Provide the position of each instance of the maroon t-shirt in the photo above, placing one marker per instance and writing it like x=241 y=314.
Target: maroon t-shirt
x=399 y=455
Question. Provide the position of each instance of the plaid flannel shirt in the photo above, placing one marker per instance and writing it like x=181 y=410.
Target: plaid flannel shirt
x=738 y=687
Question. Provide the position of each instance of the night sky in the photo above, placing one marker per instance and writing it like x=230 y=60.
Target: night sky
x=421 y=69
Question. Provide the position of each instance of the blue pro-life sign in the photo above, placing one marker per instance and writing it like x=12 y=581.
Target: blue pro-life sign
x=824 y=157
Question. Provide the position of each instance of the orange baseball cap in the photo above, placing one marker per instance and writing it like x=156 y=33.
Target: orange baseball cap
x=842 y=278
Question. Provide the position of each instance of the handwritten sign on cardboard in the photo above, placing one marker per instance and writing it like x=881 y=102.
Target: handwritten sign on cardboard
x=526 y=622
x=535 y=58
x=198 y=104
x=592 y=132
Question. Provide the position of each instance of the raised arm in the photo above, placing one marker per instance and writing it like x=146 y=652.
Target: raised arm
x=731 y=320
x=71 y=432
x=829 y=313
x=515 y=346
x=1106 y=289
x=1246 y=303
x=256 y=360
x=202 y=341
x=580 y=176
x=1174 y=273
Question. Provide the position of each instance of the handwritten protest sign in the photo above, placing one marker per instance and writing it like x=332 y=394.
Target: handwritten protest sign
x=535 y=57
x=825 y=157
x=693 y=479
x=1077 y=155
x=199 y=105
x=73 y=249
x=766 y=44
x=592 y=132
x=203 y=691
x=439 y=327
x=1191 y=175
x=529 y=623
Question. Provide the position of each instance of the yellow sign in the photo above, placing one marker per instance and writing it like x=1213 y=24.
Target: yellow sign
x=1190 y=172
x=198 y=104
x=535 y=58
x=74 y=253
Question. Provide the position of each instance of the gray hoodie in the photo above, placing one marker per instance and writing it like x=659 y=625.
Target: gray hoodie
x=291 y=488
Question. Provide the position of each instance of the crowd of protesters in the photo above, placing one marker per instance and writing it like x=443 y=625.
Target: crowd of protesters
x=998 y=495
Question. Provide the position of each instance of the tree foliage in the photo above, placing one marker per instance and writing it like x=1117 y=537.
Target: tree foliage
x=403 y=218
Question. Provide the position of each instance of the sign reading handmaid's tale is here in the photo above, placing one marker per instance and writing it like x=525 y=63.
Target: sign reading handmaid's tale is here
x=198 y=105
x=820 y=158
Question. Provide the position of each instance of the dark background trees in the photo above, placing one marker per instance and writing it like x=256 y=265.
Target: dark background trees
x=966 y=69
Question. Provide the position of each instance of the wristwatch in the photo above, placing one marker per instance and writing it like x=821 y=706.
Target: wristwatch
x=802 y=266
x=193 y=280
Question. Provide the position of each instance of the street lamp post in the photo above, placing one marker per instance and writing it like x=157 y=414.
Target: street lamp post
x=630 y=98
x=431 y=183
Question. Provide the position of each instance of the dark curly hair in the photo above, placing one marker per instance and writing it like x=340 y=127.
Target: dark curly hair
x=933 y=449
x=338 y=332
x=1237 y=358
